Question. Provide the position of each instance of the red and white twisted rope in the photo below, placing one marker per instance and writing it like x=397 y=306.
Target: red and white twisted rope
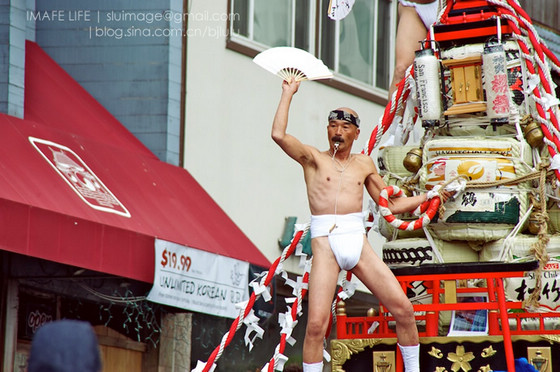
x=228 y=336
x=542 y=93
x=397 y=103
x=428 y=210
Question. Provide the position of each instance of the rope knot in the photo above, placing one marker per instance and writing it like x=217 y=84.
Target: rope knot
x=543 y=165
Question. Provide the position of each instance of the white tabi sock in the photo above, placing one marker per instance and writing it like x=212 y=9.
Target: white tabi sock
x=313 y=367
x=411 y=357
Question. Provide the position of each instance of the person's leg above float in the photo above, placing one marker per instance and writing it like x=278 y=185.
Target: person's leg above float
x=410 y=31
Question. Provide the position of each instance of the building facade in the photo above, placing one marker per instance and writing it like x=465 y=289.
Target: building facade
x=179 y=76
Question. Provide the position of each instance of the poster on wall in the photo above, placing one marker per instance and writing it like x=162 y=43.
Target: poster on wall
x=200 y=281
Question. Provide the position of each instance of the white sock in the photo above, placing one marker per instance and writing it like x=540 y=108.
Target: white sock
x=411 y=357
x=313 y=367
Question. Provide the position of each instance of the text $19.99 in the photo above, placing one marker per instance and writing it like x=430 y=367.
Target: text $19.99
x=172 y=260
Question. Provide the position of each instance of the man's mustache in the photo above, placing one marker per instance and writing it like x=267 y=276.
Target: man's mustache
x=337 y=139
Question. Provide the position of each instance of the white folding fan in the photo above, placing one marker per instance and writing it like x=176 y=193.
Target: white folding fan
x=339 y=9
x=288 y=63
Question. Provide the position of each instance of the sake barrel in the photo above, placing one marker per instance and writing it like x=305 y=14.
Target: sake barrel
x=519 y=248
x=478 y=214
x=390 y=160
x=477 y=159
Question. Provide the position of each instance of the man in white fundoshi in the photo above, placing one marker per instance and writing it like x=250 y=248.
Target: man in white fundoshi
x=335 y=181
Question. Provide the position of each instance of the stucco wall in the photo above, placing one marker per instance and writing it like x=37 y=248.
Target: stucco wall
x=230 y=106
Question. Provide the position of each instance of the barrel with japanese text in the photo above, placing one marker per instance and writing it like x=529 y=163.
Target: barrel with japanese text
x=522 y=247
x=490 y=211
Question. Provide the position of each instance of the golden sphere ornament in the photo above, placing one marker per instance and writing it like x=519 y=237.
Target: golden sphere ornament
x=413 y=160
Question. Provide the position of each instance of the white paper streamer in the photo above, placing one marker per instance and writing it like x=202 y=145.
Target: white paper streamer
x=555 y=163
x=433 y=192
x=201 y=365
x=532 y=82
x=279 y=268
x=549 y=100
x=262 y=290
x=326 y=355
x=348 y=289
x=297 y=285
x=373 y=327
x=299 y=247
x=251 y=321
x=280 y=360
x=287 y=323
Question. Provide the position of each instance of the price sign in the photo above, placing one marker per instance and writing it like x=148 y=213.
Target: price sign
x=173 y=261
x=197 y=280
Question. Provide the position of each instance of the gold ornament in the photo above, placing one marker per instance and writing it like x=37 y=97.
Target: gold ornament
x=539 y=361
x=460 y=359
x=383 y=365
x=488 y=352
x=413 y=160
x=436 y=353
x=341 y=308
x=371 y=312
x=533 y=134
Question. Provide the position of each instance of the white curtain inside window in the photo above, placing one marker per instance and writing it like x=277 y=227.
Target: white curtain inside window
x=356 y=42
x=383 y=44
x=273 y=22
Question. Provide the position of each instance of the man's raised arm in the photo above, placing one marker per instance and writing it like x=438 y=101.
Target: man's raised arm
x=291 y=145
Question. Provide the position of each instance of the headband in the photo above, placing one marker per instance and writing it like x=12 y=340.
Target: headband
x=343 y=115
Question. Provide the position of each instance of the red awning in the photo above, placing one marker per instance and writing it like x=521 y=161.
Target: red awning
x=77 y=188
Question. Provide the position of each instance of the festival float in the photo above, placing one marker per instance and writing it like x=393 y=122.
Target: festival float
x=482 y=269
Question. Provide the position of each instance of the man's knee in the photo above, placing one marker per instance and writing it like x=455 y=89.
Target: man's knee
x=405 y=313
x=316 y=328
x=400 y=70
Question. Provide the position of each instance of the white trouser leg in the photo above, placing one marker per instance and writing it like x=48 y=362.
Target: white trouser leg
x=411 y=358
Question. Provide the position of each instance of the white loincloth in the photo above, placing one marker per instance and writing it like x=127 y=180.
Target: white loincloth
x=426 y=12
x=346 y=239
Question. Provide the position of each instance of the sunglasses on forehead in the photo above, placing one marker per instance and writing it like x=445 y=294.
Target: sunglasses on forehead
x=343 y=115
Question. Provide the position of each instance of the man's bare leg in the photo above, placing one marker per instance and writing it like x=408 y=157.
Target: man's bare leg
x=322 y=285
x=379 y=279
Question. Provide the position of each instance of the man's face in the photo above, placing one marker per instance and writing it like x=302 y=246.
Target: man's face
x=343 y=132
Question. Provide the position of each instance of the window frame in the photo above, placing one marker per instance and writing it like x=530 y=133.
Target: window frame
x=341 y=82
